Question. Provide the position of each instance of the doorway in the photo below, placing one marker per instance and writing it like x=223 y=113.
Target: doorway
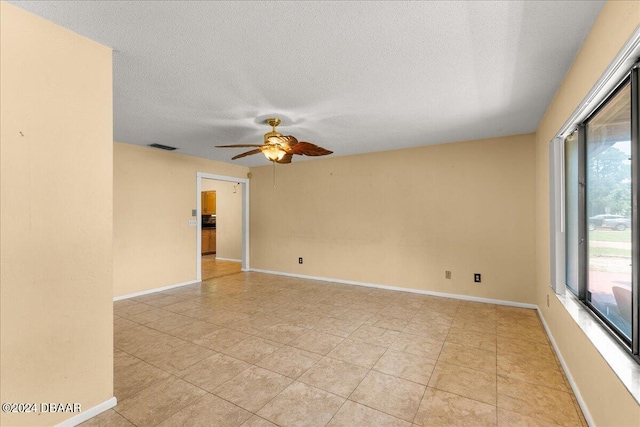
x=222 y=214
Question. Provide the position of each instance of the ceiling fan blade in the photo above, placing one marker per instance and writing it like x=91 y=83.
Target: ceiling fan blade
x=285 y=159
x=248 y=153
x=238 y=145
x=309 y=149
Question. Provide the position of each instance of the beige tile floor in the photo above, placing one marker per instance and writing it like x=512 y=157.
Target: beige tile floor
x=211 y=267
x=251 y=349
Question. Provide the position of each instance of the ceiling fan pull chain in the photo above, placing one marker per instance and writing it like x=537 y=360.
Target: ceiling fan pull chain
x=274 y=173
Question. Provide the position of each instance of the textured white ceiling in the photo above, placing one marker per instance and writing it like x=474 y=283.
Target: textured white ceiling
x=353 y=77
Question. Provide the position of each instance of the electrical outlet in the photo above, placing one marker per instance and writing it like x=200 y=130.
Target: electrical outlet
x=477 y=277
x=447 y=274
x=547 y=300
x=300 y=260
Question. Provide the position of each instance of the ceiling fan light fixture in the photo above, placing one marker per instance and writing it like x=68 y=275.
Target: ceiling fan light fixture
x=274 y=153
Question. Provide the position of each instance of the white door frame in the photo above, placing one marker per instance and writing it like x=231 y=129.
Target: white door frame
x=245 y=218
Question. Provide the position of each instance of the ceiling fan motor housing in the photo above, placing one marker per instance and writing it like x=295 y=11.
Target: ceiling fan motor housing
x=269 y=135
x=273 y=122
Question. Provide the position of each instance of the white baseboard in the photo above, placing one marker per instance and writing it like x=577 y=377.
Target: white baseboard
x=150 y=291
x=396 y=288
x=576 y=392
x=89 y=413
x=228 y=259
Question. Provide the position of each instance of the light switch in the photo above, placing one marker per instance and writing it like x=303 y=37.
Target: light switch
x=192 y=223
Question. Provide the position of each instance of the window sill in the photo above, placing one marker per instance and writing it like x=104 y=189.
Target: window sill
x=621 y=362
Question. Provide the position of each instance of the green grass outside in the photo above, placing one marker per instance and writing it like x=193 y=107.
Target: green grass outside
x=615 y=252
x=610 y=236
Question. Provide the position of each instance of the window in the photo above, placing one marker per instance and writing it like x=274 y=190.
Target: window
x=608 y=204
x=601 y=184
x=571 y=211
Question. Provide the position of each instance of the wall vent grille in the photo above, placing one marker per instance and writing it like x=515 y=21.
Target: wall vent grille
x=162 y=147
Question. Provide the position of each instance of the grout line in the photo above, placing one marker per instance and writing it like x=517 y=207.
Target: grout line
x=334 y=414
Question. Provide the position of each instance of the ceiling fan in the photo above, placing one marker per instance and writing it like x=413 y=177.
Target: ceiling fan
x=279 y=148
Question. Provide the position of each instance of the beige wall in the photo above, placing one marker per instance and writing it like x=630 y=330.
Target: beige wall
x=401 y=218
x=608 y=401
x=228 y=217
x=55 y=217
x=154 y=193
